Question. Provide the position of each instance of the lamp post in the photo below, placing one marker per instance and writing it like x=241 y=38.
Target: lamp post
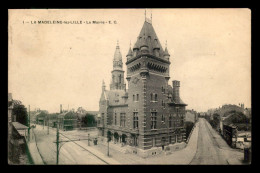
x=57 y=142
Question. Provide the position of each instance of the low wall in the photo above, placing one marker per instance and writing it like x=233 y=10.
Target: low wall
x=156 y=150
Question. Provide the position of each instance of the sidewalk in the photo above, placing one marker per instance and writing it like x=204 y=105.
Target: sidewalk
x=183 y=156
x=37 y=160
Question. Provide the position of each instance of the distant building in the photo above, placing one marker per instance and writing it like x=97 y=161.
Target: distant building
x=150 y=113
x=67 y=120
x=10 y=107
x=191 y=116
x=230 y=134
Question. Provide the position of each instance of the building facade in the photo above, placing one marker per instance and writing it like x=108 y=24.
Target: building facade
x=150 y=113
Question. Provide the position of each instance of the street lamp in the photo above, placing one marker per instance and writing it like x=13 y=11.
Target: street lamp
x=57 y=142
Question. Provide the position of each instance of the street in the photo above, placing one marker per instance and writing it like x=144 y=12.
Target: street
x=205 y=147
x=70 y=152
x=212 y=149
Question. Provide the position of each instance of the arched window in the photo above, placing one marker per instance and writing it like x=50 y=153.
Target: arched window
x=151 y=96
x=133 y=97
x=155 y=97
x=137 y=97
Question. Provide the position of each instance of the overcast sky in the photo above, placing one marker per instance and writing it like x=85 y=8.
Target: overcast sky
x=53 y=64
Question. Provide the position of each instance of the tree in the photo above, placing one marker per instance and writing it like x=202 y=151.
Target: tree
x=20 y=112
x=89 y=120
x=188 y=125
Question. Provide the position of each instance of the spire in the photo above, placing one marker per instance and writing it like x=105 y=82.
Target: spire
x=117 y=44
x=151 y=16
x=103 y=85
x=166 y=53
x=117 y=55
x=130 y=53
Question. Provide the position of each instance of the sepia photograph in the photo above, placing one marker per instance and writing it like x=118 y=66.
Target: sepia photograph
x=129 y=86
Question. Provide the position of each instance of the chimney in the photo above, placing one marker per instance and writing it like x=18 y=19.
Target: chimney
x=176 y=90
x=61 y=108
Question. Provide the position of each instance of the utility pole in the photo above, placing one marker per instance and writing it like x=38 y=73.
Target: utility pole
x=88 y=139
x=48 y=123
x=57 y=142
x=108 y=148
x=29 y=124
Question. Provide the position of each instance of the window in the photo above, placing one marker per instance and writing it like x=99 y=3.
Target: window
x=153 y=120
x=137 y=97
x=170 y=120
x=102 y=119
x=122 y=119
x=135 y=120
x=163 y=90
x=163 y=118
x=115 y=118
x=155 y=97
x=151 y=97
x=177 y=111
x=133 y=97
x=153 y=142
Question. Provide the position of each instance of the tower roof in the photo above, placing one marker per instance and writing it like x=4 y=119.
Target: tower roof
x=148 y=36
x=117 y=55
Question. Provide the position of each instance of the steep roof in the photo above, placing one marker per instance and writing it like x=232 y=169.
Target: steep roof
x=116 y=97
x=130 y=52
x=148 y=36
x=117 y=55
x=19 y=126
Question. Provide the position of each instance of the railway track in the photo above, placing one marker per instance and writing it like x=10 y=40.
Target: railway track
x=85 y=149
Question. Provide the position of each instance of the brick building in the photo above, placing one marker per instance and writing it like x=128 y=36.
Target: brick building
x=150 y=113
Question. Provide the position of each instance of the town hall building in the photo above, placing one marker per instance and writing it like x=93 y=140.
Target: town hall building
x=148 y=113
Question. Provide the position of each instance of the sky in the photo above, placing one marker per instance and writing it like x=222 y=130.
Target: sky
x=53 y=64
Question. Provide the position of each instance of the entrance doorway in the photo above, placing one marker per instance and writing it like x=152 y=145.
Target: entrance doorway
x=163 y=142
x=116 y=137
x=124 y=138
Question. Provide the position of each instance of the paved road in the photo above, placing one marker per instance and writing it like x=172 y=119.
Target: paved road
x=209 y=150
